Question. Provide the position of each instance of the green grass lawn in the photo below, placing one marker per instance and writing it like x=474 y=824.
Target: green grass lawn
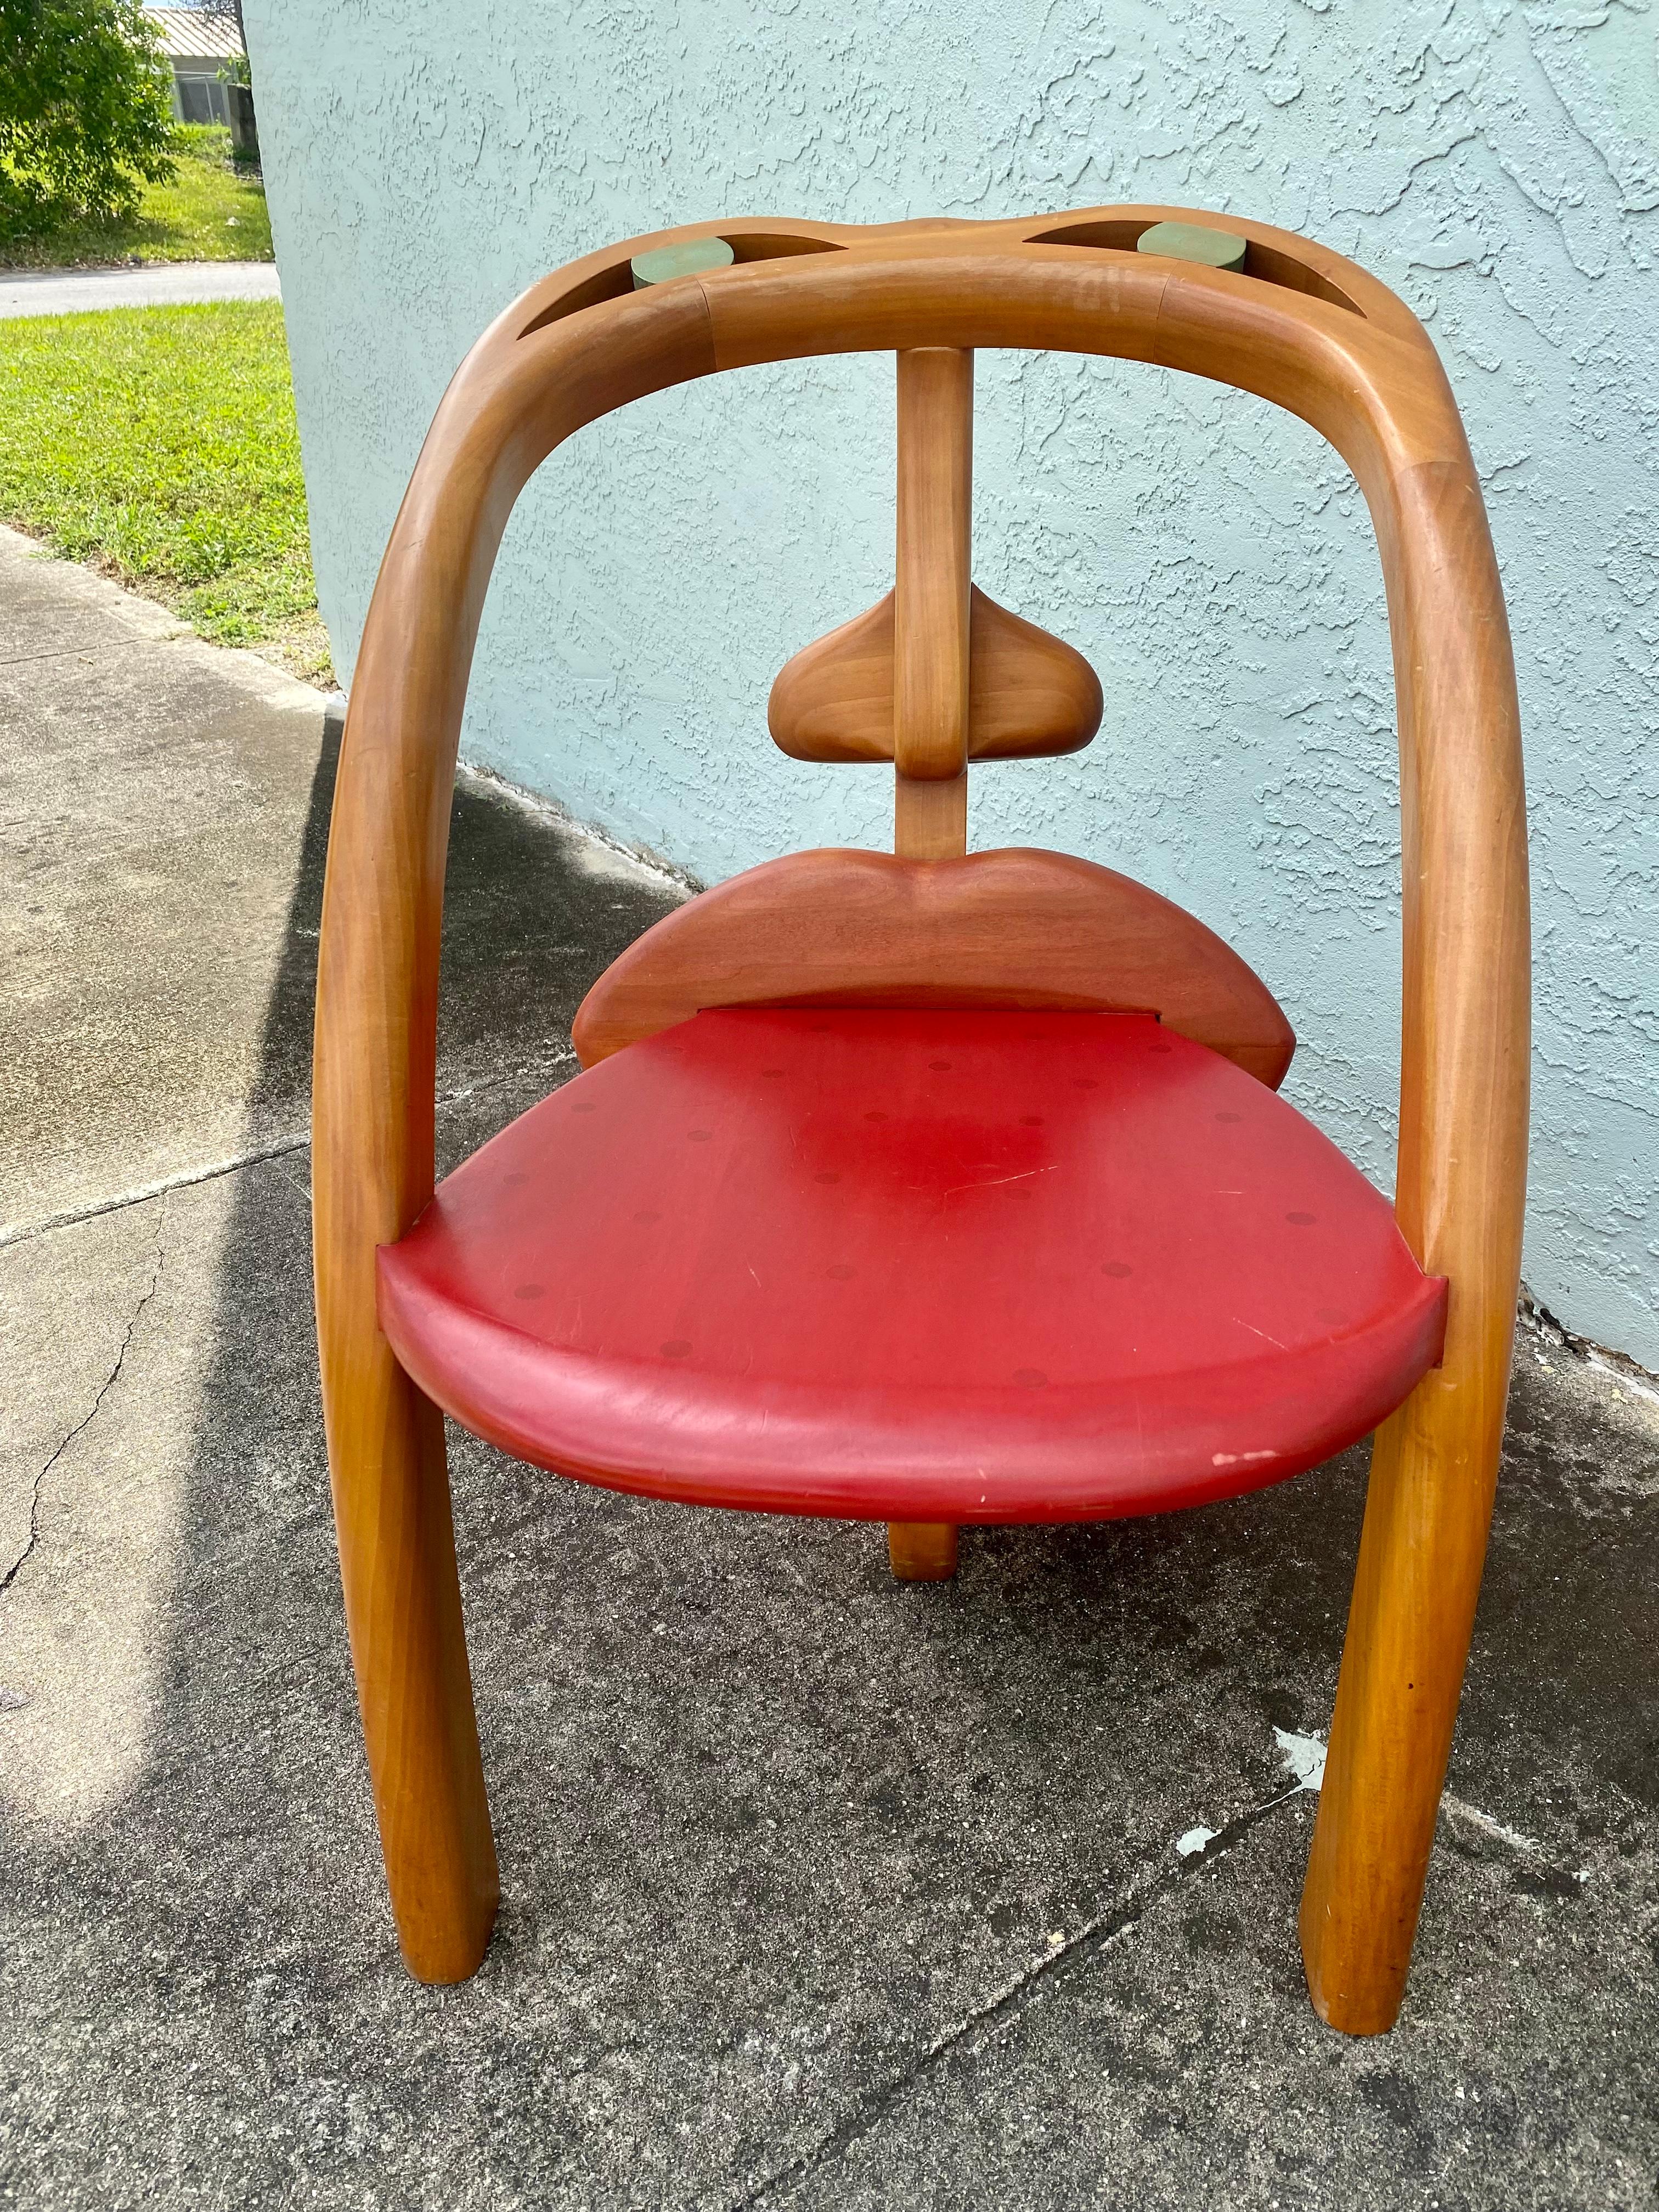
x=210 y=212
x=159 y=445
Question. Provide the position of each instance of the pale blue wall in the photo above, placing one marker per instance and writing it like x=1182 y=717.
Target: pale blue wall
x=1497 y=165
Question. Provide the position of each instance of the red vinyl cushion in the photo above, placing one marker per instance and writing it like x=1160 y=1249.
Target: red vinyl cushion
x=939 y=1266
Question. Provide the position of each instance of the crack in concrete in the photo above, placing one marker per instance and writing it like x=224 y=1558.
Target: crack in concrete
x=86 y=1422
x=1043 y=1975
x=88 y=652
x=185 y=1179
x=1010 y=2004
x=279 y=1148
x=1498 y=1835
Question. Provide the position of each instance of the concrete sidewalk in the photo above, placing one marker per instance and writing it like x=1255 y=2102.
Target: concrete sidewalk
x=155 y=284
x=818 y=1891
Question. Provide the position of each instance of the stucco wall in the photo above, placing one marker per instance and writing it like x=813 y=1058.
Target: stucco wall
x=1497 y=165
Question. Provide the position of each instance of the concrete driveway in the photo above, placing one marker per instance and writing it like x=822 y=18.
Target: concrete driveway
x=818 y=1891
x=157 y=284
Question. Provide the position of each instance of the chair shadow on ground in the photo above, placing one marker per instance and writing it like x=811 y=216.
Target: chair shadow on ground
x=771 y=1827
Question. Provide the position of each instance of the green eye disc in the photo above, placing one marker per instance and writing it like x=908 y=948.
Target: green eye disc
x=1190 y=241
x=688 y=259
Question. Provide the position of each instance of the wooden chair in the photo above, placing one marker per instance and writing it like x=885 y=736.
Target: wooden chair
x=923 y=1187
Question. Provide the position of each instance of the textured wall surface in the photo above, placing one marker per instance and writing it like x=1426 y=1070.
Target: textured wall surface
x=1497 y=165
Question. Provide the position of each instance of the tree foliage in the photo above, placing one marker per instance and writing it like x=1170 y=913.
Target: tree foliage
x=85 y=109
x=230 y=12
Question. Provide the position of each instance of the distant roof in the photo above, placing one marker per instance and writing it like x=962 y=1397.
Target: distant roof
x=188 y=34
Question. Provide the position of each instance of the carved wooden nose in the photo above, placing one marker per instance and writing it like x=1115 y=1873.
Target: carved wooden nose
x=936 y=674
x=1029 y=696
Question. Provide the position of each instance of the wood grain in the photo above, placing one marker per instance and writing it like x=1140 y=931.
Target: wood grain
x=373 y=1095
x=930 y=819
x=1459 y=1198
x=1301 y=327
x=1015 y=927
x=1030 y=694
x=933 y=564
x=921 y=1550
x=933 y=605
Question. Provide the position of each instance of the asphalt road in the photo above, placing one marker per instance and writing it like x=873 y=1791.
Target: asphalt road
x=157 y=284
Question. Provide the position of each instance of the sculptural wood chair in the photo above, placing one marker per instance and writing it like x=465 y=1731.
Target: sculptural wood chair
x=925 y=1188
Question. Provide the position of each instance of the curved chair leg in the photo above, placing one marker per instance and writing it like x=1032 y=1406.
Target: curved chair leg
x=409 y=1652
x=1427 y=1513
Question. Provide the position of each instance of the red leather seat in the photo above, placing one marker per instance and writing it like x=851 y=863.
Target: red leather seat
x=914 y=1266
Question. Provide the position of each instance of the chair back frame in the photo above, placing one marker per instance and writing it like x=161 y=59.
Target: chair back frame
x=1300 y=326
